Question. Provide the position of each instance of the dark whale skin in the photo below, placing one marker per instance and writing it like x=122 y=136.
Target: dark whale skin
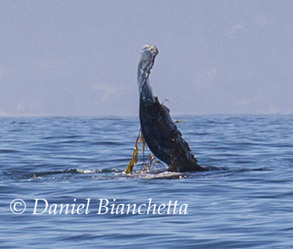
x=163 y=137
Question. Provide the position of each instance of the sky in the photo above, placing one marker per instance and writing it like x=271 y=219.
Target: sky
x=79 y=58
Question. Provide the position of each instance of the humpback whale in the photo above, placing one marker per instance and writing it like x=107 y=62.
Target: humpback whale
x=159 y=131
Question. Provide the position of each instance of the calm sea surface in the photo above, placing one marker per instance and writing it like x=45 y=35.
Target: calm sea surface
x=246 y=201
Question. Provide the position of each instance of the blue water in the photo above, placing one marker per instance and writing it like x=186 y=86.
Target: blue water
x=246 y=202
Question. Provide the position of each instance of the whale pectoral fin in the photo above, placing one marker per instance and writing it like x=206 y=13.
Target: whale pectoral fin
x=174 y=166
x=186 y=145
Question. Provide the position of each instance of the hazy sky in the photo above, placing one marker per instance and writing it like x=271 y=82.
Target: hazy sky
x=71 y=57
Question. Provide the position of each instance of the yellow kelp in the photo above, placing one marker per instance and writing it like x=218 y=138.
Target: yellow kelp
x=134 y=158
x=151 y=159
x=143 y=143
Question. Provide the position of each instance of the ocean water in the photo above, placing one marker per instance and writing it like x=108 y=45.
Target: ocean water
x=244 y=201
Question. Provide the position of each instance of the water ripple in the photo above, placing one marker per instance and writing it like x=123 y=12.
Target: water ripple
x=243 y=201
